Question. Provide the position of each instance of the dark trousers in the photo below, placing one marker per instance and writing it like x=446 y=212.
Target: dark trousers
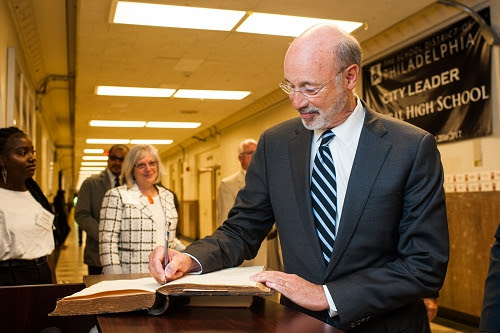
x=95 y=270
x=80 y=231
x=24 y=272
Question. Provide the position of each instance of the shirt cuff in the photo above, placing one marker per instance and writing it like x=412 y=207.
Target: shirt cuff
x=201 y=270
x=332 y=311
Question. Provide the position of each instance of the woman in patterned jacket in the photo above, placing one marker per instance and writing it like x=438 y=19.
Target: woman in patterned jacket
x=136 y=216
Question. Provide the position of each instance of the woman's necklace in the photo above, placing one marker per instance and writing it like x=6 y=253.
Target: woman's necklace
x=150 y=196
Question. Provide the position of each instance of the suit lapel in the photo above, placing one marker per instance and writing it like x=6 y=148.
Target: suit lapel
x=168 y=208
x=105 y=180
x=370 y=155
x=240 y=181
x=135 y=195
x=299 y=148
x=163 y=198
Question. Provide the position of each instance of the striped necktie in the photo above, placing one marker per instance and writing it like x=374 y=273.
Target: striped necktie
x=117 y=181
x=324 y=195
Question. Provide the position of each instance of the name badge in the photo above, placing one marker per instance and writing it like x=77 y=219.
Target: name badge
x=45 y=219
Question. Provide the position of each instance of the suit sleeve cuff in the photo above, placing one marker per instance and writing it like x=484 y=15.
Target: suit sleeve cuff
x=332 y=310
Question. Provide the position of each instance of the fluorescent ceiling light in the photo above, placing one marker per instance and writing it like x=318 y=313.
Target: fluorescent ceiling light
x=134 y=91
x=284 y=25
x=217 y=19
x=164 y=92
x=176 y=16
x=152 y=124
x=93 y=151
x=151 y=142
x=131 y=141
x=116 y=123
x=172 y=124
x=211 y=94
x=94 y=158
x=94 y=164
x=108 y=141
x=91 y=168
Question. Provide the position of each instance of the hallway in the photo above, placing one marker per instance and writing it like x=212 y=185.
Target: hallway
x=70 y=269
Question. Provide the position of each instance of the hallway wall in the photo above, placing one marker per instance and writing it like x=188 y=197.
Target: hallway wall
x=40 y=135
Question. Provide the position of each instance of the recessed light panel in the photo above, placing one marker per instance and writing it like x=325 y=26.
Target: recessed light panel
x=116 y=123
x=176 y=16
x=134 y=91
x=284 y=25
x=211 y=94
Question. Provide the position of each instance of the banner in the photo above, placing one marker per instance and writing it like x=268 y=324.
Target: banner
x=441 y=83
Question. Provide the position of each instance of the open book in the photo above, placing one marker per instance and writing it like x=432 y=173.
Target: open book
x=227 y=287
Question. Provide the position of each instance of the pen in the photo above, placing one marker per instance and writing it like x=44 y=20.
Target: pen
x=167 y=233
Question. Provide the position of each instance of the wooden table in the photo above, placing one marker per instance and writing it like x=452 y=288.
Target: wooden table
x=263 y=316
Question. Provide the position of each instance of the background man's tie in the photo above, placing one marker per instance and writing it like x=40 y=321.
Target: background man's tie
x=324 y=195
x=117 y=181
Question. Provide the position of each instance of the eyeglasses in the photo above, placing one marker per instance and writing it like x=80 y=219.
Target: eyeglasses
x=142 y=166
x=247 y=153
x=116 y=158
x=308 y=92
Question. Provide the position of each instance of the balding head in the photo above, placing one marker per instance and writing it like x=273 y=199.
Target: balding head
x=327 y=47
x=321 y=71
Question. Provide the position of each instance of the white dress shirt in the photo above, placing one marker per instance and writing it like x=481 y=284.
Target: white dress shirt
x=343 y=148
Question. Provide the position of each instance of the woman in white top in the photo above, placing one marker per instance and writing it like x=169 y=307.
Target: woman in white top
x=135 y=216
x=26 y=236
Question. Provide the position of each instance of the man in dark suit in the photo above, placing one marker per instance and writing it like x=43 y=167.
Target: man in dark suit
x=490 y=316
x=88 y=206
x=391 y=245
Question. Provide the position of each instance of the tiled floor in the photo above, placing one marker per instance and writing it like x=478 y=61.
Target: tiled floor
x=70 y=269
x=435 y=328
x=447 y=326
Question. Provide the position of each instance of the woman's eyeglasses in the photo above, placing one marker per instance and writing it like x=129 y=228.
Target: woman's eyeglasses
x=143 y=166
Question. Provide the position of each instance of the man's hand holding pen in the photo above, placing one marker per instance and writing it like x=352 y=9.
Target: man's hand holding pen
x=178 y=264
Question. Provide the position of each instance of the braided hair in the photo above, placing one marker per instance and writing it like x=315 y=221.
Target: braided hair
x=7 y=133
x=13 y=132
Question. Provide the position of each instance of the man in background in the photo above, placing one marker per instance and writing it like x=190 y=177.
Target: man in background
x=229 y=186
x=88 y=207
x=228 y=189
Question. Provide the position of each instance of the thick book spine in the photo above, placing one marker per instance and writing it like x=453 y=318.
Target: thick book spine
x=112 y=304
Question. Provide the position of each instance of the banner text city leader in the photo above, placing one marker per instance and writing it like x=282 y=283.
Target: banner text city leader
x=440 y=83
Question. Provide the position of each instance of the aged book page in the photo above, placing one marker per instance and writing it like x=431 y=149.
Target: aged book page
x=236 y=276
x=236 y=279
x=223 y=280
x=111 y=296
x=117 y=287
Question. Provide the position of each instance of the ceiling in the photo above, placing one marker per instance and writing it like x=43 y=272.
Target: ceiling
x=72 y=47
